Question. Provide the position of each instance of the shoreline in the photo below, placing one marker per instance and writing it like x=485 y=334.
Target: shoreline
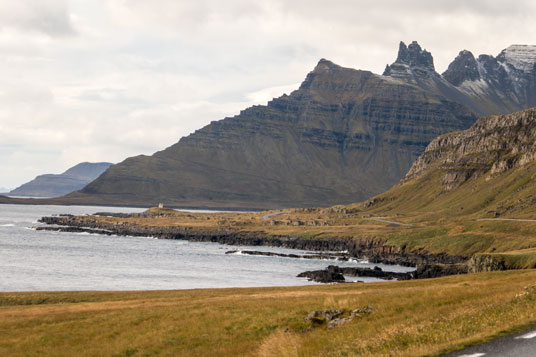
x=429 y=265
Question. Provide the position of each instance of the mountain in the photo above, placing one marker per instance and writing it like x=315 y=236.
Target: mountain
x=343 y=136
x=52 y=185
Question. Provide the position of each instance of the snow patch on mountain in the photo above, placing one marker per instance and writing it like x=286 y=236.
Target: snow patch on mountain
x=474 y=87
x=521 y=57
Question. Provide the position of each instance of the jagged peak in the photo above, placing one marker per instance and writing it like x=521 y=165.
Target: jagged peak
x=411 y=56
x=414 y=56
x=463 y=68
x=403 y=53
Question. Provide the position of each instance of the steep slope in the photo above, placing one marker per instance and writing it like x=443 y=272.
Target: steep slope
x=485 y=171
x=51 y=185
x=342 y=136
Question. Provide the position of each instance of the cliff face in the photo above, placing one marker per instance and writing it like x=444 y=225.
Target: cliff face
x=51 y=185
x=492 y=146
x=342 y=137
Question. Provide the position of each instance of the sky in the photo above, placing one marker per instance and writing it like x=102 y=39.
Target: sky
x=103 y=80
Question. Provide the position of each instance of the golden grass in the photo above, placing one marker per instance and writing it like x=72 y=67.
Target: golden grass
x=409 y=318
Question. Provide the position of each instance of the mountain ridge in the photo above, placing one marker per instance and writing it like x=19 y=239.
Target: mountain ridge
x=325 y=143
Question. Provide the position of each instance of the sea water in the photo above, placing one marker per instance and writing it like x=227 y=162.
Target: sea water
x=33 y=260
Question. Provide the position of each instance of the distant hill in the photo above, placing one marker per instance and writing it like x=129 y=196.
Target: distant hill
x=51 y=185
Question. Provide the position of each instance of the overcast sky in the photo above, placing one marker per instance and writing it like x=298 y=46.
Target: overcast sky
x=103 y=80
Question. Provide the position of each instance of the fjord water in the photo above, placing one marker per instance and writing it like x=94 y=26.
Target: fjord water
x=33 y=260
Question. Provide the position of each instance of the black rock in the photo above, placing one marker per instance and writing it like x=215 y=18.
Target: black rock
x=333 y=274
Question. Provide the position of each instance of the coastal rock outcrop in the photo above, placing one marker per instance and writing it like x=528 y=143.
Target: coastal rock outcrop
x=335 y=274
x=332 y=274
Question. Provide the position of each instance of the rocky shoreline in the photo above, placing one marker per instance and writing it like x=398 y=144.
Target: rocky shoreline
x=430 y=265
x=335 y=274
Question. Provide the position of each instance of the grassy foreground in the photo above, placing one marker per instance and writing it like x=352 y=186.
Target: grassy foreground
x=421 y=317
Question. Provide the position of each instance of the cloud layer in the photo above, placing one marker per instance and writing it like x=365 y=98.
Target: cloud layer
x=103 y=80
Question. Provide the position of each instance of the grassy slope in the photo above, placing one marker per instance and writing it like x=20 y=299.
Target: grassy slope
x=409 y=318
x=467 y=220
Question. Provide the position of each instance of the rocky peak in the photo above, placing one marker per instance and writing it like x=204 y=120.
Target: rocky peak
x=325 y=66
x=463 y=68
x=521 y=57
x=411 y=57
x=415 y=56
x=328 y=78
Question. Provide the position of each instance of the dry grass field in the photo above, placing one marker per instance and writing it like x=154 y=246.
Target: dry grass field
x=409 y=318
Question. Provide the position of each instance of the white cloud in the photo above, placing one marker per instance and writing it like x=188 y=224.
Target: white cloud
x=48 y=17
x=102 y=80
